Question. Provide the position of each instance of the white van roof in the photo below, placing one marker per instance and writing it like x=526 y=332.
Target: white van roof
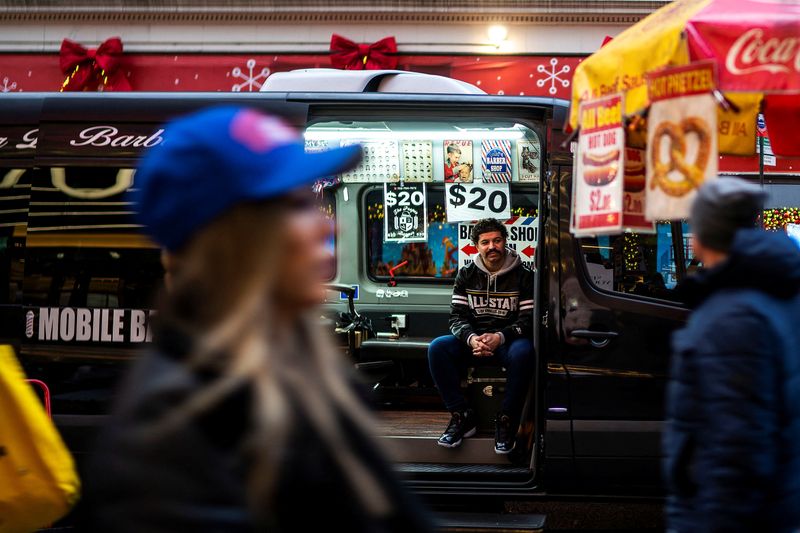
x=365 y=81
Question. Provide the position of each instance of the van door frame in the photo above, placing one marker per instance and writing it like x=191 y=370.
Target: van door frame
x=325 y=108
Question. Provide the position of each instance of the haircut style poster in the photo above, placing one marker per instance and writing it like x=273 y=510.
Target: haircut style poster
x=380 y=162
x=417 y=161
x=458 y=166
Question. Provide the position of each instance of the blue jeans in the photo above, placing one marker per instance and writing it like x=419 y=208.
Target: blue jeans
x=448 y=358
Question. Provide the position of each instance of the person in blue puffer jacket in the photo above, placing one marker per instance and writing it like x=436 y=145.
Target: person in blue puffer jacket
x=732 y=439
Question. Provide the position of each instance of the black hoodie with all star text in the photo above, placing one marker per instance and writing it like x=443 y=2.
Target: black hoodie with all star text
x=485 y=301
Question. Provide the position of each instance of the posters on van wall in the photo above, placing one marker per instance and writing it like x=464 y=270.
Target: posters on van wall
x=633 y=196
x=597 y=190
x=458 y=166
x=528 y=160
x=380 y=163
x=417 y=161
x=681 y=139
x=496 y=161
x=405 y=212
x=523 y=234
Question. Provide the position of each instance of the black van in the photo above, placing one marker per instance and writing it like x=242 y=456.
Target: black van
x=80 y=278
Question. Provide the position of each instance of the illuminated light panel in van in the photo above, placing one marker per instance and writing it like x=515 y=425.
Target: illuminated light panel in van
x=434 y=135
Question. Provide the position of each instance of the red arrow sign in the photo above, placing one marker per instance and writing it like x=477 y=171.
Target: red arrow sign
x=529 y=251
x=469 y=249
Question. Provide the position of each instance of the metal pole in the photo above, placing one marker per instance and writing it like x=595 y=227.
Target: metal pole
x=761 y=171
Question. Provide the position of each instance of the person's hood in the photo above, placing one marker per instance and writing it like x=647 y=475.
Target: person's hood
x=511 y=261
x=761 y=260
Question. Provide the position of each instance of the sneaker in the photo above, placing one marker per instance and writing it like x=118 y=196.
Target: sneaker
x=461 y=426
x=504 y=434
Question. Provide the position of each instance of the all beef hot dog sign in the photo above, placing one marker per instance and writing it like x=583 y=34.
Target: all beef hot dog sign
x=597 y=192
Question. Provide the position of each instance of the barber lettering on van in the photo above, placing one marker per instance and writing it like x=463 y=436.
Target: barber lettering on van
x=491 y=317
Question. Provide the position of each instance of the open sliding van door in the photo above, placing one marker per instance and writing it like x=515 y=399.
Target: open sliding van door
x=614 y=315
x=403 y=281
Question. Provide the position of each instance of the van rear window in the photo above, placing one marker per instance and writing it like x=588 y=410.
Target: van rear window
x=438 y=258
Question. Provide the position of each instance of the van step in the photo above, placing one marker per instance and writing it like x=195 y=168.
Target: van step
x=475 y=450
x=494 y=522
x=436 y=468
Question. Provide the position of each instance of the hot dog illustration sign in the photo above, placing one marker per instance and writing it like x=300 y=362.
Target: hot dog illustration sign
x=633 y=197
x=597 y=194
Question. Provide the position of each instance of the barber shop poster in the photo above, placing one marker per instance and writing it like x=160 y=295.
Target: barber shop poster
x=681 y=139
x=597 y=189
x=405 y=212
x=496 y=161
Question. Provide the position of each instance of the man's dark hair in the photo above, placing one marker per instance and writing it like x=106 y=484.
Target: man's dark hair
x=488 y=225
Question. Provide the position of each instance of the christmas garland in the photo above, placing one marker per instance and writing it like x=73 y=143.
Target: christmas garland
x=776 y=219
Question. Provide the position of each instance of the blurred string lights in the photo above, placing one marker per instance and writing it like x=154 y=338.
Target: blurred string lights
x=631 y=250
x=776 y=219
x=437 y=214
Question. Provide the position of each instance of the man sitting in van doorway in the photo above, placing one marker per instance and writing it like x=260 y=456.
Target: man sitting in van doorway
x=491 y=317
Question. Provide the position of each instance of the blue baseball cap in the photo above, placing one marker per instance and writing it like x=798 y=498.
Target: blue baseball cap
x=214 y=159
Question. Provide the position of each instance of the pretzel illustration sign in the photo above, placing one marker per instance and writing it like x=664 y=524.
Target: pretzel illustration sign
x=681 y=138
x=692 y=172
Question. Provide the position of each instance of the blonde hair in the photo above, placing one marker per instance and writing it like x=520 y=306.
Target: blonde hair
x=220 y=294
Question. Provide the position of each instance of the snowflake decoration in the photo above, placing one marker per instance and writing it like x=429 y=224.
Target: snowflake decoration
x=553 y=76
x=250 y=79
x=8 y=87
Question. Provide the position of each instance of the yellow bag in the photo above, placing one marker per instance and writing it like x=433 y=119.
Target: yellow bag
x=38 y=481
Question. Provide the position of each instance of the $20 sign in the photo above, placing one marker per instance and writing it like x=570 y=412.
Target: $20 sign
x=405 y=212
x=474 y=201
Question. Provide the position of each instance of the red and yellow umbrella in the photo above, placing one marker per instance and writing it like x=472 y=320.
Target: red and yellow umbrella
x=755 y=45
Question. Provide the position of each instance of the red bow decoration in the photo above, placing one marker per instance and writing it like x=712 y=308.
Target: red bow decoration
x=347 y=55
x=86 y=69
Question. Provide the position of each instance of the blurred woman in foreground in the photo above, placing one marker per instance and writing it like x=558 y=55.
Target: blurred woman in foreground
x=242 y=417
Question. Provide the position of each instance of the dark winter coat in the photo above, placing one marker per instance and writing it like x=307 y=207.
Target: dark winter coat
x=732 y=441
x=194 y=478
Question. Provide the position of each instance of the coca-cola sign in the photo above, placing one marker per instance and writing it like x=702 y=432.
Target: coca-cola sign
x=755 y=52
x=756 y=44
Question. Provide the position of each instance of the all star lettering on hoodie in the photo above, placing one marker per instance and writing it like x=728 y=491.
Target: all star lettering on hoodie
x=485 y=302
